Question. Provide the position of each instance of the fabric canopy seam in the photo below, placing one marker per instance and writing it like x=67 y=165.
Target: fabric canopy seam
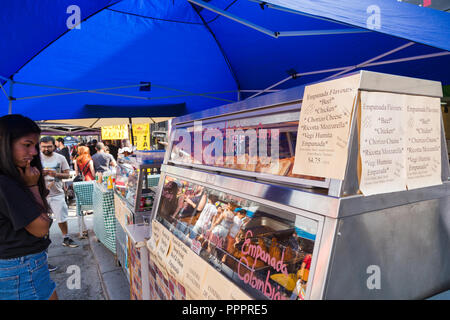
x=227 y=61
x=169 y=20
x=218 y=15
x=153 y=18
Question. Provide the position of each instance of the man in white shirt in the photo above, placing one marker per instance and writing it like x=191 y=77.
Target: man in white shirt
x=56 y=168
x=206 y=218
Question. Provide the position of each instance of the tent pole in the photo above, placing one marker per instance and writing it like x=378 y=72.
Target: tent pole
x=96 y=91
x=10 y=98
x=370 y=60
x=425 y=56
x=274 y=34
x=272 y=86
x=131 y=130
x=273 y=6
x=233 y=17
x=348 y=68
x=4 y=91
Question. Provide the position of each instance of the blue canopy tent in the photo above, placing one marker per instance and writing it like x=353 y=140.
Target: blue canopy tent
x=167 y=58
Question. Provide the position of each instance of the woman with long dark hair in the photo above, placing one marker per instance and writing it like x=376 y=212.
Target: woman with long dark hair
x=24 y=220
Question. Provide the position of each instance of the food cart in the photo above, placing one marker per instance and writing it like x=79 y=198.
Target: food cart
x=303 y=235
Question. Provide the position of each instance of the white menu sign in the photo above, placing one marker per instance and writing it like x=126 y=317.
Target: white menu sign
x=323 y=130
x=400 y=143
x=423 y=146
x=382 y=144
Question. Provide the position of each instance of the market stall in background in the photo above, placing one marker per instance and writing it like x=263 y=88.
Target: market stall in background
x=135 y=179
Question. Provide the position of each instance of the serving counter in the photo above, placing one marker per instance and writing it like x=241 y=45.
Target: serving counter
x=287 y=197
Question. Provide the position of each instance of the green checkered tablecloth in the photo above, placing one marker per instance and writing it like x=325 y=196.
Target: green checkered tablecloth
x=83 y=195
x=153 y=180
x=104 y=216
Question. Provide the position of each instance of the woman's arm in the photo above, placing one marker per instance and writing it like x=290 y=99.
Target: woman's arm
x=91 y=167
x=202 y=203
x=75 y=166
x=39 y=227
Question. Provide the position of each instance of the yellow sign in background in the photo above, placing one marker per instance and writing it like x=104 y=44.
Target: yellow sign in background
x=141 y=135
x=118 y=132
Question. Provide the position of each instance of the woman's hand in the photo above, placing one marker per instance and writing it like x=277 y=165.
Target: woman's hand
x=30 y=175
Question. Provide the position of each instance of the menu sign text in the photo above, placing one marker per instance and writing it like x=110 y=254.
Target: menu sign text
x=382 y=143
x=400 y=144
x=325 y=116
x=423 y=146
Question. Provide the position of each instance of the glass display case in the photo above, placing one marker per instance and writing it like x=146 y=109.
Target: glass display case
x=266 y=251
x=135 y=185
x=248 y=143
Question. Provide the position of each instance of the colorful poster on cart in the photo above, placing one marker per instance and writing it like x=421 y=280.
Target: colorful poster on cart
x=382 y=143
x=423 y=146
x=323 y=130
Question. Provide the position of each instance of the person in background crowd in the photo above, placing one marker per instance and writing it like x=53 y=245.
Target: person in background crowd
x=56 y=168
x=73 y=153
x=92 y=146
x=62 y=149
x=169 y=200
x=102 y=160
x=193 y=203
x=84 y=164
x=205 y=219
x=239 y=221
x=126 y=149
x=219 y=230
x=24 y=219
x=113 y=150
